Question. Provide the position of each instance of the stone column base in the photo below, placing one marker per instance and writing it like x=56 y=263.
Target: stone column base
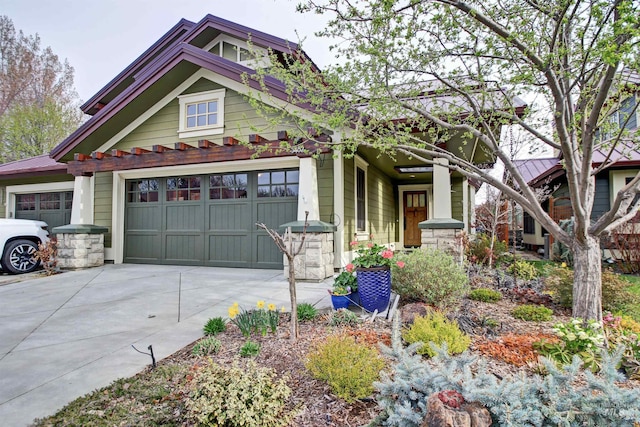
x=443 y=234
x=80 y=246
x=315 y=260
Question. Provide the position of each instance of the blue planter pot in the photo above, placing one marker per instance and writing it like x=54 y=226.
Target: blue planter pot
x=340 y=301
x=374 y=287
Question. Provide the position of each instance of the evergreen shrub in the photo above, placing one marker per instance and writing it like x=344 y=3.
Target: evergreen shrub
x=343 y=317
x=566 y=396
x=436 y=328
x=616 y=295
x=245 y=395
x=523 y=270
x=532 y=313
x=214 y=326
x=485 y=295
x=206 y=346
x=348 y=367
x=429 y=276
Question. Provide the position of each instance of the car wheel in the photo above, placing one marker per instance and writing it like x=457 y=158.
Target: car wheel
x=20 y=257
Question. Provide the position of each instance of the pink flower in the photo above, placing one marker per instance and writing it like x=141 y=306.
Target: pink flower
x=354 y=243
x=400 y=264
x=350 y=267
x=387 y=254
x=369 y=245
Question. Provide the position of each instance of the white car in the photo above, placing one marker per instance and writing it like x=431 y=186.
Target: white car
x=19 y=240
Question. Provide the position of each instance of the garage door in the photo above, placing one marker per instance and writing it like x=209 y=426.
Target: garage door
x=54 y=208
x=209 y=219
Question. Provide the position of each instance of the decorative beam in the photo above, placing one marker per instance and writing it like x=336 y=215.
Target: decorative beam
x=182 y=146
x=136 y=151
x=160 y=148
x=205 y=143
x=229 y=140
x=79 y=157
x=254 y=138
x=283 y=135
x=118 y=153
x=99 y=155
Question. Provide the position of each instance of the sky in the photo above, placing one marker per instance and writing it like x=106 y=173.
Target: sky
x=100 y=38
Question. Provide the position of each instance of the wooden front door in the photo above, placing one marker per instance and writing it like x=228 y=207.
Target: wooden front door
x=415 y=211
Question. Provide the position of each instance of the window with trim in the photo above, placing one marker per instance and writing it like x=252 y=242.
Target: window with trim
x=183 y=188
x=228 y=186
x=282 y=183
x=361 y=194
x=231 y=51
x=142 y=191
x=201 y=113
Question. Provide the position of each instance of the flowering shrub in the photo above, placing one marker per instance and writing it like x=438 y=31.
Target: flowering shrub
x=620 y=336
x=256 y=320
x=370 y=255
x=576 y=338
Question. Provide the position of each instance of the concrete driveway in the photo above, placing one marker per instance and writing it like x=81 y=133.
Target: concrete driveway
x=66 y=335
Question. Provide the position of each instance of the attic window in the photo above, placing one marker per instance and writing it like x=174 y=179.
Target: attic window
x=201 y=114
x=239 y=51
x=231 y=51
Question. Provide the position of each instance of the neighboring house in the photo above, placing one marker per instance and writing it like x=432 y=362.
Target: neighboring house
x=36 y=188
x=159 y=164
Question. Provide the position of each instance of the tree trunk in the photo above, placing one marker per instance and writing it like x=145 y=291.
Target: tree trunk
x=295 y=331
x=587 y=279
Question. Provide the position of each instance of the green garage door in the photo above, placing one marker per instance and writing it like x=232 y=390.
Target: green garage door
x=53 y=208
x=209 y=219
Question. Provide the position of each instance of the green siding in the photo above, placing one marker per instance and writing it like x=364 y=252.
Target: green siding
x=325 y=188
x=162 y=127
x=102 y=208
x=349 y=203
x=456 y=199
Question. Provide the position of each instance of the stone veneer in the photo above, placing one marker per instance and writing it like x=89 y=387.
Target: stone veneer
x=442 y=234
x=80 y=246
x=315 y=260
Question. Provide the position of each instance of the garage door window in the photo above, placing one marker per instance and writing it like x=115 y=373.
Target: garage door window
x=228 y=186
x=183 y=188
x=278 y=184
x=26 y=202
x=142 y=191
x=49 y=201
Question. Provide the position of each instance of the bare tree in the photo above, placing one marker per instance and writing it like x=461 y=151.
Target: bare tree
x=414 y=75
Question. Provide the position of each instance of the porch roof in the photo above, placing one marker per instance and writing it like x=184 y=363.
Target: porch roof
x=33 y=166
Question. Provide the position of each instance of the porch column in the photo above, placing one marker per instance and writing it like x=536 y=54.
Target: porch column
x=308 y=191
x=441 y=189
x=82 y=209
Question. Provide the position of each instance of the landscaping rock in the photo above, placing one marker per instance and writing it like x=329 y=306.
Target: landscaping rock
x=411 y=311
x=468 y=415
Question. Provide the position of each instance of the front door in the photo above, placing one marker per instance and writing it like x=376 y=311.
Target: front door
x=415 y=211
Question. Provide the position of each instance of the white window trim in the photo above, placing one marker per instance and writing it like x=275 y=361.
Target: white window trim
x=50 y=187
x=617 y=181
x=262 y=62
x=360 y=163
x=212 y=95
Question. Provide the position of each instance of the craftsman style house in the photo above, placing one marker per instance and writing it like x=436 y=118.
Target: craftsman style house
x=165 y=164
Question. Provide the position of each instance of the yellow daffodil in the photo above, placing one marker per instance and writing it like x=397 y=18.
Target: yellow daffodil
x=564 y=265
x=235 y=304
x=233 y=312
x=260 y=304
x=271 y=307
x=282 y=309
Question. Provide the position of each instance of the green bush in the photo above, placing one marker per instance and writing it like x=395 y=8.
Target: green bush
x=436 y=328
x=348 y=367
x=479 y=250
x=246 y=395
x=214 y=326
x=206 y=346
x=616 y=295
x=523 y=270
x=249 y=349
x=485 y=295
x=532 y=313
x=343 y=317
x=429 y=276
x=306 y=312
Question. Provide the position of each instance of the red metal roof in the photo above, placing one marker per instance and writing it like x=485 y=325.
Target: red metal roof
x=533 y=168
x=39 y=165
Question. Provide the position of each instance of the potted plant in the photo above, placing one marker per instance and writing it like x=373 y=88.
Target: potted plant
x=373 y=271
x=343 y=285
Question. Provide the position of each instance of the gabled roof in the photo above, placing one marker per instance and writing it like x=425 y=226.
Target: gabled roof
x=33 y=166
x=196 y=34
x=178 y=55
x=533 y=168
